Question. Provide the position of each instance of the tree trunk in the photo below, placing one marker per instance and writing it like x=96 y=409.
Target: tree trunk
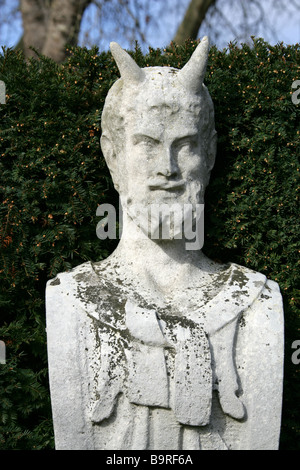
x=63 y=28
x=195 y=14
x=49 y=25
x=34 y=15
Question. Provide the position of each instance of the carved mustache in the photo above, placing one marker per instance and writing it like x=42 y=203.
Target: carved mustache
x=166 y=185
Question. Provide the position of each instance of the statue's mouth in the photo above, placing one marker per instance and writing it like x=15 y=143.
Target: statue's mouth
x=166 y=186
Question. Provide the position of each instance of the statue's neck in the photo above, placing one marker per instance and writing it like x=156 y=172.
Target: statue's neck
x=166 y=268
x=163 y=264
x=135 y=245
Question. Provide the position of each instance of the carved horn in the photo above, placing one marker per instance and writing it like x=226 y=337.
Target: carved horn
x=128 y=68
x=192 y=74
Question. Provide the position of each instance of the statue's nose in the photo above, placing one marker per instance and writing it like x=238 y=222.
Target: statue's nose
x=167 y=165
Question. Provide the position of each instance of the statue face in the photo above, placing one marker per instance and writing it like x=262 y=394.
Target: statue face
x=158 y=135
x=165 y=162
x=163 y=155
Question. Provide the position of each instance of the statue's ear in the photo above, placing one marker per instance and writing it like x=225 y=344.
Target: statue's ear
x=212 y=150
x=107 y=148
x=110 y=157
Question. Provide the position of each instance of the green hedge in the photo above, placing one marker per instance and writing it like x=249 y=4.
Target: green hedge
x=53 y=177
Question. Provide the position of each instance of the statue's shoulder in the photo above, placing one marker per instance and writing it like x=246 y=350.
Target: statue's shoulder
x=63 y=291
x=90 y=288
x=268 y=306
x=265 y=299
x=71 y=276
x=241 y=291
x=80 y=277
x=73 y=289
x=244 y=276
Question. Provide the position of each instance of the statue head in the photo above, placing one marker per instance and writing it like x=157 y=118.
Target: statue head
x=158 y=133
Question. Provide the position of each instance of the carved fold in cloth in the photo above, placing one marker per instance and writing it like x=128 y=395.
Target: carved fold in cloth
x=193 y=378
x=204 y=356
x=148 y=379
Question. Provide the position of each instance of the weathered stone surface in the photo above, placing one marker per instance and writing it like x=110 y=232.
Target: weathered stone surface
x=158 y=347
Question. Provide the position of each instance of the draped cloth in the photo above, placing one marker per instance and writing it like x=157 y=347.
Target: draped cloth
x=148 y=380
x=127 y=374
x=173 y=365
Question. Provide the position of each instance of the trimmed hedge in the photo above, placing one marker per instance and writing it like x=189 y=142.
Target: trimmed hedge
x=53 y=177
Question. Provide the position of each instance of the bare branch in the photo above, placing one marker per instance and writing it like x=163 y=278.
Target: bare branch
x=192 y=20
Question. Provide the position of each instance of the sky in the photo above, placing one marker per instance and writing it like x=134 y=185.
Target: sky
x=286 y=26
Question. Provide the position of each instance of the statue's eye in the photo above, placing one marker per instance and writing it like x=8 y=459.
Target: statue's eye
x=146 y=141
x=149 y=142
x=187 y=143
x=184 y=143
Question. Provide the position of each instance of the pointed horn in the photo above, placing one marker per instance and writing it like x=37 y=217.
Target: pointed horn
x=192 y=74
x=128 y=68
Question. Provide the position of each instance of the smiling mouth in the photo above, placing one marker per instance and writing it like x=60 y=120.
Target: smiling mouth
x=166 y=186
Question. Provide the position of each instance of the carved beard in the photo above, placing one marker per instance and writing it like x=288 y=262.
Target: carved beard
x=166 y=221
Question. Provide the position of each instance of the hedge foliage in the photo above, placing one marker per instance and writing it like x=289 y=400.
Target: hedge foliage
x=53 y=177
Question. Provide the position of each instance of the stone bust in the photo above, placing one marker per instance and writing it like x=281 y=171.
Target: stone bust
x=158 y=347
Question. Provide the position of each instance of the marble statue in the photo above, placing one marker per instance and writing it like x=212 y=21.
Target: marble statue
x=159 y=347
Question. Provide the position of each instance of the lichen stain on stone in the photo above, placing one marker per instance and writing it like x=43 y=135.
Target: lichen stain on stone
x=238 y=277
x=108 y=298
x=238 y=293
x=259 y=284
x=264 y=296
x=242 y=321
x=56 y=282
